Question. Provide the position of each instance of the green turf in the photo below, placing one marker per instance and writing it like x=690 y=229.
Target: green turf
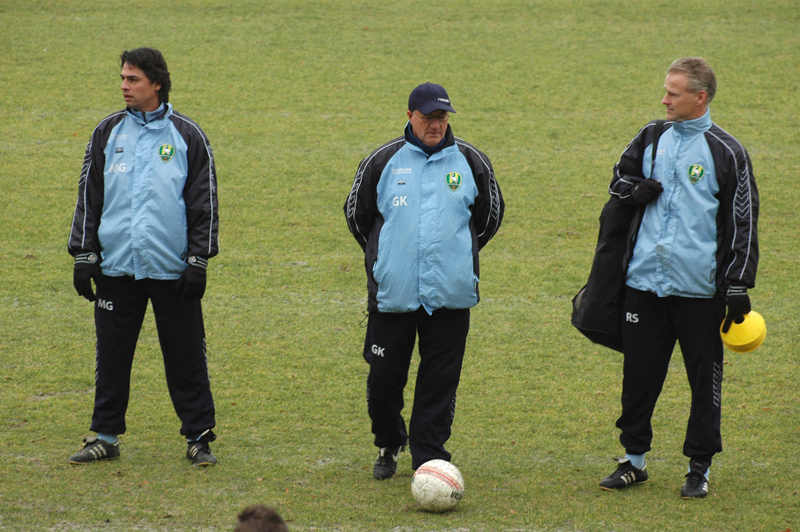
x=292 y=95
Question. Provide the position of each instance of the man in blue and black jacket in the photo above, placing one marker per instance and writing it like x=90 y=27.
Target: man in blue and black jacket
x=145 y=226
x=421 y=207
x=693 y=256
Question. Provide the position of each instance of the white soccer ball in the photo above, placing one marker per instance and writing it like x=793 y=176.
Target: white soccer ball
x=437 y=485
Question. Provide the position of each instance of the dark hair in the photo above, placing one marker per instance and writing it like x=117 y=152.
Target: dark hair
x=152 y=63
x=260 y=518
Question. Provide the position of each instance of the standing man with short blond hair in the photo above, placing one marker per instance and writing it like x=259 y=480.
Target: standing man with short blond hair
x=144 y=229
x=694 y=256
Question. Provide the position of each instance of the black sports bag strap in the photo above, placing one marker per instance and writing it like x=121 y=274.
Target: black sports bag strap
x=659 y=125
x=639 y=214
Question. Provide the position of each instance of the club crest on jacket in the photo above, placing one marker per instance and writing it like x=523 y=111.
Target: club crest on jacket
x=166 y=151
x=696 y=173
x=453 y=180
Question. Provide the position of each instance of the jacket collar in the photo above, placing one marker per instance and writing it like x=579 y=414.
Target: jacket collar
x=142 y=117
x=694 y=127
x=448 y=140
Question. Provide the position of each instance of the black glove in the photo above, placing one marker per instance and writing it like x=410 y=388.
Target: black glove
x=192 y=282
x=87 y=267
x=647 y=191
x=738 y=303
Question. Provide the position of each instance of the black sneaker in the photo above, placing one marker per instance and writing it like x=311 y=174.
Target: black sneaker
x=200 y=454
x=386 y=464
x=95 y=449
x=624 y=476
x=696 y=485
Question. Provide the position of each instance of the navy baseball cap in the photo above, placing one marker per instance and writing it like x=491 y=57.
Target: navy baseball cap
x=429 y=97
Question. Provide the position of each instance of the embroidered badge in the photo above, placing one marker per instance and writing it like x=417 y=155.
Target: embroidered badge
x=453 y=180
x=166 y=151
x=696 y=173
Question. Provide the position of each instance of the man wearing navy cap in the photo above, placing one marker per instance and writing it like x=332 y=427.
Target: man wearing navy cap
x=421 y=207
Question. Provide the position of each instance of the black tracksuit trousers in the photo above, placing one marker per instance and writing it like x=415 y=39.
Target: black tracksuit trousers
x=388 y=348
x=119 y=312
x=650 y=329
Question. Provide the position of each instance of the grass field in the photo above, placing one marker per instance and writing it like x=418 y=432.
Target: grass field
x=292 y=95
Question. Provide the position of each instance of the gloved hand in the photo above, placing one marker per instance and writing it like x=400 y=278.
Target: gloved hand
x=647 y=191
x=87 y=268
x=192 y=282
x=738 y=303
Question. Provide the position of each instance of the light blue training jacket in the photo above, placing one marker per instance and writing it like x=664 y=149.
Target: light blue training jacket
x=675 y=251
x=147 y=195
x=421 y=221
x=425 y=248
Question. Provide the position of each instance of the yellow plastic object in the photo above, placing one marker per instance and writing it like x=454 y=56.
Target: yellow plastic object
x=746 y=336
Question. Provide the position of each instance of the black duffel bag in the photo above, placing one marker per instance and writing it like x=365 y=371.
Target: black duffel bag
x=597 y=307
